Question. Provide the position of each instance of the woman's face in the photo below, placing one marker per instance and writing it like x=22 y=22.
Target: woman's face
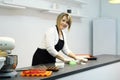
x=63 y=23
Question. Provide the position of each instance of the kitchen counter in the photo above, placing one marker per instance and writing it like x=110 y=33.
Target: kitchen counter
x=102 y=60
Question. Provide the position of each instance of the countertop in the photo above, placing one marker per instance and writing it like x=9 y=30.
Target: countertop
x=68 y=70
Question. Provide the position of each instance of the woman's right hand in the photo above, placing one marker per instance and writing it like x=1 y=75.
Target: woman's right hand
x=66 y=61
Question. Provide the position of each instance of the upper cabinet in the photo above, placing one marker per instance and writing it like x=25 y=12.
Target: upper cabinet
x=72 y=6
x=47 y=6
x=10 y=4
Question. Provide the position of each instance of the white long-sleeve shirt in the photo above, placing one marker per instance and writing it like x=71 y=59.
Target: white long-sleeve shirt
x=51 y=39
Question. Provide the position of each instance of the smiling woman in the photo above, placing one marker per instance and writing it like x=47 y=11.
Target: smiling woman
x=53 y=42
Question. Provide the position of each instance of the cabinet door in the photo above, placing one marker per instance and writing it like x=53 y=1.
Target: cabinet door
x=104 y=36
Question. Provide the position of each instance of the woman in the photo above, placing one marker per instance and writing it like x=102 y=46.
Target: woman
x=54 y=41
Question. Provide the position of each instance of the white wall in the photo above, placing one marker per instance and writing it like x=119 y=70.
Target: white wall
x=112 y=11
x=28 y=26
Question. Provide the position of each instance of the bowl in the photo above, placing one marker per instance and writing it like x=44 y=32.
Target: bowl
x=59 y=64
x=10 y=63
x=2 y=59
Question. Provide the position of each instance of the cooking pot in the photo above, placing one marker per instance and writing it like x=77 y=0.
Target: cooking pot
x=10 y=63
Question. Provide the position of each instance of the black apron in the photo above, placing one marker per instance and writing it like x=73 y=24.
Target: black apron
x=42 y=56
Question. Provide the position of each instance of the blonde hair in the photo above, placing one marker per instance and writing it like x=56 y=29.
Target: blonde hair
x=60 y=16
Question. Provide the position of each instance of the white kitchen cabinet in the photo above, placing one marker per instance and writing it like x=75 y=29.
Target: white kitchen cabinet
x=46 y=6
x=10 y=5
x=58 y=6
x=104 y=36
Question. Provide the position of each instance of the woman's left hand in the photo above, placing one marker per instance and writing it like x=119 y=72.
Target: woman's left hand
x=81 y=60
x=66 y=61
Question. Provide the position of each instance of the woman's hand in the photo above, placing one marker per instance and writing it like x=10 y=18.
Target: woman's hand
x=66 y=61
x=81 y=60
